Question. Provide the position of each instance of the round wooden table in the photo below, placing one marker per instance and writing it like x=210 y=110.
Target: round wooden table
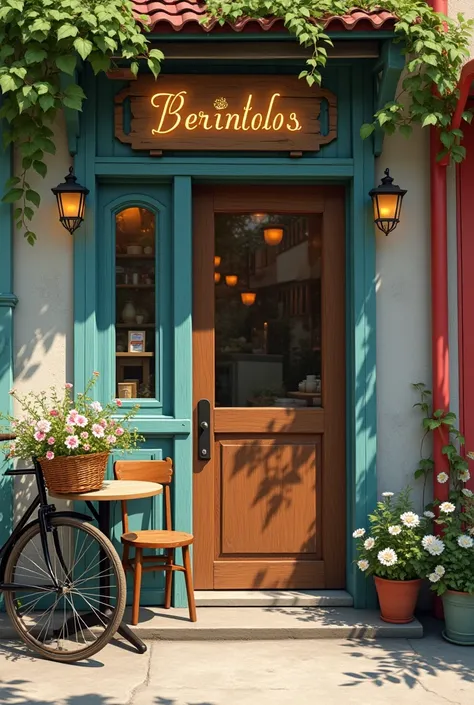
x=111 y=491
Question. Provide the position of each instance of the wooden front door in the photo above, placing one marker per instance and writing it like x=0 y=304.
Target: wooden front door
x=269 y=273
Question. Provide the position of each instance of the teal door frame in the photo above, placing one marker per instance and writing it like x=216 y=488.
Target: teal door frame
x=174 y=430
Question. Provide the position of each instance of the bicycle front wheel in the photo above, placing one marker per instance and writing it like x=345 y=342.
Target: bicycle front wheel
x=79 y=616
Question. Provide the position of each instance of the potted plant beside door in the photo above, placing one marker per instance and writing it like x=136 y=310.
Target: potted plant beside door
x=391 y=551
x=449 y=559
x=71 y=439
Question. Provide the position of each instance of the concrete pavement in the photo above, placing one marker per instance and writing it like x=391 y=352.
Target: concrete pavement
x=398 y=671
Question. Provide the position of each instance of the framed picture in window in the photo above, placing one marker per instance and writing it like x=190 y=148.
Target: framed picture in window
x=136 y=341
x=127 y=390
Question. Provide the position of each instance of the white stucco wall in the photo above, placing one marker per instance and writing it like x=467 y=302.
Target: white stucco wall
x=43 y=281
x=403 y=312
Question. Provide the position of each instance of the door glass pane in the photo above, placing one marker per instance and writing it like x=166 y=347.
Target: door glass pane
x=268 y=309
x=135 y=303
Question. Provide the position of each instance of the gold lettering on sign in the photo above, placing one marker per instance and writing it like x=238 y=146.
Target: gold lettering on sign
x=172 y=114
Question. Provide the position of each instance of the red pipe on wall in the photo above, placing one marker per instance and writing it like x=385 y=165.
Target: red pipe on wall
x=439 y=294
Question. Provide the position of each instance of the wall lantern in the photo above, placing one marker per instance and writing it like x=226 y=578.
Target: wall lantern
x=273 y=235
x=217 y=277
x=231 y=279
x=387 y=201
x=248 y=297
x=217 y=261
x=71 y=198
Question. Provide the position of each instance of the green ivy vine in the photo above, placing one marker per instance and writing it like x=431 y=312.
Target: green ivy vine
x=43 y=40
x=435 y=47
x=40 y=41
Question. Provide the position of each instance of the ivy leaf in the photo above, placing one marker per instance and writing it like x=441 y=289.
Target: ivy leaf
x=40 y=168
x=366 y=130
x=46 y=101
x=30 y=237
x=12 y=182
x=83 y=47
x=7 y=83
x=73 y=97
x=156 y=54
x=66 y=63
x=13 y=195
x=67 y=30
x=99 y=62
x=33 y=196
x=28 y=212
x=429 y=119
x=35 y=55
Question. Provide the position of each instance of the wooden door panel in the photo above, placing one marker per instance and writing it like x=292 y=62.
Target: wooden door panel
x=268 y=420
x=268 y=495
x=268 y=574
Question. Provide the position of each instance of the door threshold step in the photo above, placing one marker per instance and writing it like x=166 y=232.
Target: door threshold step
x=273 y=598
x=263 y=623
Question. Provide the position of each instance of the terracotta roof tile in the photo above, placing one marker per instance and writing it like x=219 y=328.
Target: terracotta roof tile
x=164 y=15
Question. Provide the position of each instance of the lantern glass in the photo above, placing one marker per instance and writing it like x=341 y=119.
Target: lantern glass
x=217 y=277
x=217 y=261
x=273 y=236
x=386 y=206
x=231 y=279
x=248 y=297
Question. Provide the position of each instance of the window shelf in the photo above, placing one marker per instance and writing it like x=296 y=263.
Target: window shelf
x=133 y=354
x=139 y=326
x=124 y=256
x=135 y=286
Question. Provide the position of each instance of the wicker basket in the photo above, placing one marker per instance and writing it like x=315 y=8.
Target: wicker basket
x=74 y=473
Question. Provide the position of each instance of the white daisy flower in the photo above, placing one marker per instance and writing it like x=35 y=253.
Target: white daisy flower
x=440 y=570
x=464 y=475
x=434 y=577
x=387 y=494
x=465 y=541
x=369 y=543
x=442 y=477
x=467 y=493
x=433 y=545
x=410 y=519
x=447 y=507
x=363 y=564
x=387 y=556
x=429 y=515
x=395 y=530
x=358 y=533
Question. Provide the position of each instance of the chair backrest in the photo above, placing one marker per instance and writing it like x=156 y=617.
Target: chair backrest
x=160 y=471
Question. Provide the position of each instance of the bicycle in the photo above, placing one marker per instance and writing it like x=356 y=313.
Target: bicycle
x=63 y=582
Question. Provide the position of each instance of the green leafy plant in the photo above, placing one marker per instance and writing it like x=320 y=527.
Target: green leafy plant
x=42 y=44
x=392 y=548
x=448 y=558
x=435 y=47
x=53 y=425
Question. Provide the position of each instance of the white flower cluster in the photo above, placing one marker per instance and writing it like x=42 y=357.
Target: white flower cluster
x=447 y=507
x=429 y=515
x=369 y=543
x=437 y=574
x=410 y=519
x=363 y=564
x=358 y=533
x=433 y=545
x=465 y=541
x=395 y=530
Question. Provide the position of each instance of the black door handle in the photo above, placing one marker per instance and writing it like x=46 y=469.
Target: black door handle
x=204 y=429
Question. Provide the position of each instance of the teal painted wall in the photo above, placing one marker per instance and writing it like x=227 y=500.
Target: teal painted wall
x=7 y=305
x=115 y=174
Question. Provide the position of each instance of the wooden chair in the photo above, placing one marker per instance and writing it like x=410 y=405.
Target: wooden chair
x=160 y=471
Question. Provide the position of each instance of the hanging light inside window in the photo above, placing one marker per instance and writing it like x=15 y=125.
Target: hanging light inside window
x=217 y=277
x=248 y=297
x=217 y=261
x=273 y=235
x=387 y=202
x=71 y=199
x=231 y=279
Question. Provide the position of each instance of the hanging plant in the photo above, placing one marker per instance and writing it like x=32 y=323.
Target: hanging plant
x=41 y=42
x=435 y=47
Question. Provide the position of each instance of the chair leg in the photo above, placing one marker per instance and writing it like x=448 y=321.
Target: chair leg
x=169 y=578
x=125 y=557
x=137 y=584
x=188 y=576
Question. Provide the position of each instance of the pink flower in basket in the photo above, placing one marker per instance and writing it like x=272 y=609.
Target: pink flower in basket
x=119 y=431
x=51 y=441
x=39 y=436
x=71 y=442
x=97 y=431
x=43 y=425
x=84 y=435
x=54 y=412
x=81 y=421
x=49 y=455
x=96 y=406
x=111 y=439
x=86 y=447
x=103 y=423
x=69 y=429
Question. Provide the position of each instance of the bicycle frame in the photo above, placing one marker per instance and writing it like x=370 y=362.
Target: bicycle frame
x=45 y=512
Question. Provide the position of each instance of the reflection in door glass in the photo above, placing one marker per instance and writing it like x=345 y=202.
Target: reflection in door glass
x=135 y=243
x=268 y=309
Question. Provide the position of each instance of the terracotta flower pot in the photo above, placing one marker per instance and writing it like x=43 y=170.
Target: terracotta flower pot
x=397 y=599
